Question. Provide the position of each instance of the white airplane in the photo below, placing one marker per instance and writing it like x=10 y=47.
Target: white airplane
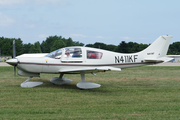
x=82 y=60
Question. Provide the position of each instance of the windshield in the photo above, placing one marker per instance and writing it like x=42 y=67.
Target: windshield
x=55 y=54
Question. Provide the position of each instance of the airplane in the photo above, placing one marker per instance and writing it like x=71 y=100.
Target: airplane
x=83 y=60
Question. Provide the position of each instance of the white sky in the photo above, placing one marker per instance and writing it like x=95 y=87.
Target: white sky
x=90 y=21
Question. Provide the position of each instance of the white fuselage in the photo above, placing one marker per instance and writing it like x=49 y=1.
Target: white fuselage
x=108 y=58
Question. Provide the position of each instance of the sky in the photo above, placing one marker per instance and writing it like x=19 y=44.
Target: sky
x=90 y=21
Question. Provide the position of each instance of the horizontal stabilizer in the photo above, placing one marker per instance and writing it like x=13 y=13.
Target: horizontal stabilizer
x=109 y=68
x=161 y=59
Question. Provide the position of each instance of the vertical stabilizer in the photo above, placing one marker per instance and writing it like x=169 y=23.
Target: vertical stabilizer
x=158 y=48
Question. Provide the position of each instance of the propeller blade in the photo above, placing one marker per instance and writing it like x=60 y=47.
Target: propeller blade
x=14 y=55
x=14 y=49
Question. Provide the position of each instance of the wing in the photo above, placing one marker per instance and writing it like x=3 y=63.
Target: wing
x=96 y=69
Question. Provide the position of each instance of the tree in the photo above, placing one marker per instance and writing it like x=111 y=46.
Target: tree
x=111 y=47
x=19 y=46
x=47 y=44
x=100 y=45
x=122 y=47
x=57 y=45
x=45 y=47
x=27 y=47
x=174 y=48
x=56 y=42
x=89 y=45
x=142 y=46
x=77 y=43
x=35 y=48
x=130 y=47
x=6 y=47
x=134 y=48
x=69 y=42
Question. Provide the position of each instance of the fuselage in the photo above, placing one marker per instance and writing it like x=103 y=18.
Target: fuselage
x=80 y=57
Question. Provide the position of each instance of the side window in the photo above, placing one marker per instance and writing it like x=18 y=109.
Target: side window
x=73 y=52
x=94 y=55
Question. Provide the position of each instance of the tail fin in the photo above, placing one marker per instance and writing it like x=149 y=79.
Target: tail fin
x=157 y=50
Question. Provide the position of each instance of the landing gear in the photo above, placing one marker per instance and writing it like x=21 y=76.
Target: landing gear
x=86 y=85
x=59 y=80
x=27 y=84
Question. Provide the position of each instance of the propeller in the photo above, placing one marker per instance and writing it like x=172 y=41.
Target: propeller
x=13 y=61
x=14 y=55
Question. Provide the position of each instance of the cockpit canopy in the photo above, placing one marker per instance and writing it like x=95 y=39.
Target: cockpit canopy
x=71 y=53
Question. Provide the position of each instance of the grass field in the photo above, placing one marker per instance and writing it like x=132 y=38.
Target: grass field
x=136 y=93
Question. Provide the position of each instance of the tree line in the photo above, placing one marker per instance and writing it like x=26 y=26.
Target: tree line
x=56 y=42
x=50 y=44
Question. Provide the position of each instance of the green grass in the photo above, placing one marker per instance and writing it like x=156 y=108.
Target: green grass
x=136 y=93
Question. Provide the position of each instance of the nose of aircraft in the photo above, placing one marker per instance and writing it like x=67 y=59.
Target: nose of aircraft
x=13 y=61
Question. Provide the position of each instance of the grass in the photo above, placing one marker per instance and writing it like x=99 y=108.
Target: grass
x=136 y=93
